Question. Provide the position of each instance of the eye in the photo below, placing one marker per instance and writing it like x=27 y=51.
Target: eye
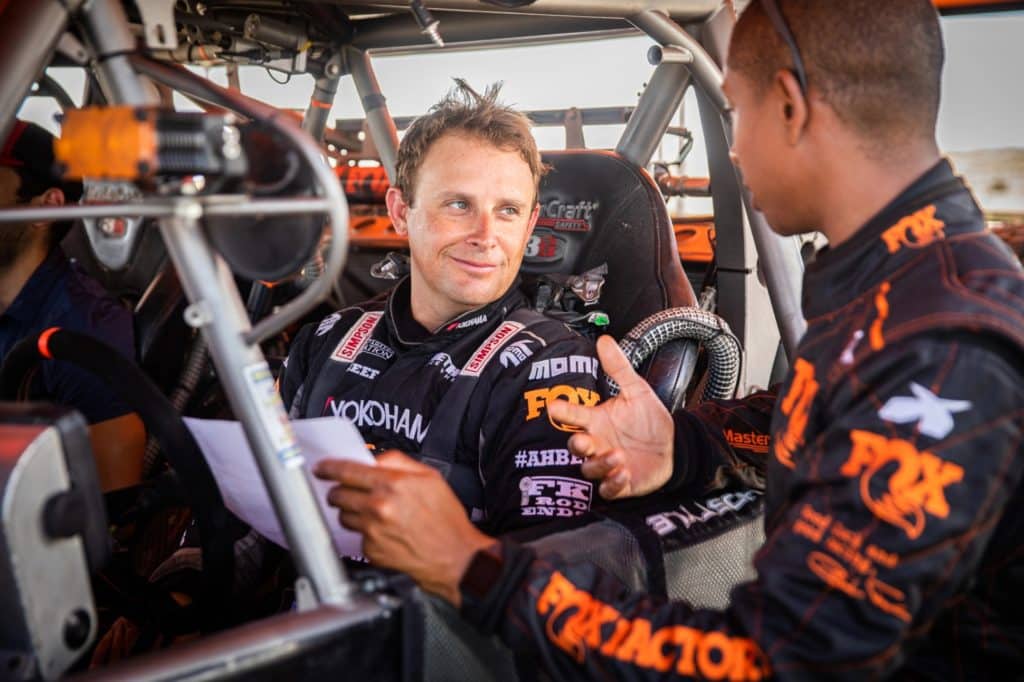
x=458 y=204
x=509 y=211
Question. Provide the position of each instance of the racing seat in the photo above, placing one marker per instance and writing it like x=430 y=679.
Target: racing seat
x=597 y=209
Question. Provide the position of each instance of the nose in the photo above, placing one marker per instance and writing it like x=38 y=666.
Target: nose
x=483 y=234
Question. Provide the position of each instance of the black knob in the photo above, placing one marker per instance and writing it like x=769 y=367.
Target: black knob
x=64 y=515
x=76 y=628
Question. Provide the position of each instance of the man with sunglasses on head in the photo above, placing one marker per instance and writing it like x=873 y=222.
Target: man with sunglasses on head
x=894 y=468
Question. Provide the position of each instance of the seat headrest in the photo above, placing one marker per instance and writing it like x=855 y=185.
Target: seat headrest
x=596 y=208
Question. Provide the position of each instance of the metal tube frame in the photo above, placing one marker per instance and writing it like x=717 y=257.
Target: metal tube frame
x=779 y=257
x=378 y=118
x=653 y=114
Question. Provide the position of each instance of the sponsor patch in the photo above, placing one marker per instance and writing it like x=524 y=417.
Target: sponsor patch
x=327 y=324
x=554 y=496
x=351 y=344
x=545 y=246
x=696 y=513
x=538 y=399
x=378 y=349
x=583 y=626
x=363 y=371
x=933 y=415
x=796 y=406
x=556 y=367
x=755 y=442
x=448 y=369
x=530 y=459
x=491 y=345
x=515 y=353
x=565 y=217
x=465 y=324
x=914 y=231
x=898 y=483
x=374 y=413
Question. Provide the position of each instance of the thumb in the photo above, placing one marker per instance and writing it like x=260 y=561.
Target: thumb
x=616 y=365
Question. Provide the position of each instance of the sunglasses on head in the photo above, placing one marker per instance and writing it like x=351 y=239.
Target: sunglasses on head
x=771 y=8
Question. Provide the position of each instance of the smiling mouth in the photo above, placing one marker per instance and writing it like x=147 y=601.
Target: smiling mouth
x=474 y=266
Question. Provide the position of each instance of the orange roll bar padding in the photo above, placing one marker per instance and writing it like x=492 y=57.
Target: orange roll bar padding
x=112 y=143
x=43 y=344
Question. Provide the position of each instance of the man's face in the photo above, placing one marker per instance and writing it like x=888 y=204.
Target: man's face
x=760 y=151
x=473 y=209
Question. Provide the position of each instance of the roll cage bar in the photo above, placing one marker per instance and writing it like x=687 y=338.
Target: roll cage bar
x=692 y=35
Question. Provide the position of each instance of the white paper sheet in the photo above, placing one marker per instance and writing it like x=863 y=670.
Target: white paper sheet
x=233 y=465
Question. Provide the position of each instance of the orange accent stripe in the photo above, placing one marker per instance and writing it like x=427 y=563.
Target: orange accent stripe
x=875 y=336
x=44 y=342
x=320 y=105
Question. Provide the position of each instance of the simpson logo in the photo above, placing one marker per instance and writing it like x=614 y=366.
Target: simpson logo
x=554 y=496
x=489 y=347
x=556 y=367
x=516 y=353
x=465 y=324
x=538 y=399
x=914 y=481
x=350 y=345
x=566 y=217
x=755 y=442
x=581 y=625
x=529 y=459
x=367 y=413
x=686 y=515
x=448 y=369
x=378 y=349
x=914 y=231
x=327 y=324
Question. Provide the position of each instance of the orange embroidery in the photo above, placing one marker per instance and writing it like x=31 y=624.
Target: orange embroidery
x=914 y=231
x=753 y=441
x=917 y=486
x=882 y=306
x=575 y=619
x=796 y=405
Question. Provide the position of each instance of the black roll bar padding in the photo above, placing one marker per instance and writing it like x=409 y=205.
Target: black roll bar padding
x=162 y=421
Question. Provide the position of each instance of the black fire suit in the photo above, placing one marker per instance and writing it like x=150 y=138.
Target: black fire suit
x=894 y=485
x=469 y=398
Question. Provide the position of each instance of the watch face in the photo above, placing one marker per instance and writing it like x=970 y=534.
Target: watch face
x=482 y=574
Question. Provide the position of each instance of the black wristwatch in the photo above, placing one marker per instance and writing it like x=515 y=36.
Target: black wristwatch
x=482 y=573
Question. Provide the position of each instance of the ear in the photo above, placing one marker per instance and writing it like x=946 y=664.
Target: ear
x=793 y=105
x=534 y=216
x=398 y=210
x=54 y=196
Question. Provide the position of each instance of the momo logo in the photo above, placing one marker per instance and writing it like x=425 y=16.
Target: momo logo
x=465 y=324
x=448 y=369
x=483 y=354
x=796 y=405
x=697 y=513
x=933 y=415
x=556 y=367
x=373 y=413
x=565 y=217
x=327 y=324
x=755 y=442
x=350 y=345
x=914 y=231
x=538 y=399
x=554 y=496
x=915 y=481
x=580 y=625
x=516 y=353
x=529 y=459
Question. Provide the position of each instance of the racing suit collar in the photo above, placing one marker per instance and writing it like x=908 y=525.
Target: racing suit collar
x=406 y=331
x=841 y=274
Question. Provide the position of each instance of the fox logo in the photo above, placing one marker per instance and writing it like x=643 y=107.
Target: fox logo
x=914 y=231
x=916 y=480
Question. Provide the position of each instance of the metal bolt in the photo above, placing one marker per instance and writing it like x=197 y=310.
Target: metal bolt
x=333 y=69
x=198 y=315
x=232 y=148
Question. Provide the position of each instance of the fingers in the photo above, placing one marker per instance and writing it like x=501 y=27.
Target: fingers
x=349 y=474
x=564 y=412
x=616 y=484
x=599 y=466
x=396 y=459
x=616 y=365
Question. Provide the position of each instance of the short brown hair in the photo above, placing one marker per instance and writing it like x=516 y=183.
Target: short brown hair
x=465 y=111
x=878 y=65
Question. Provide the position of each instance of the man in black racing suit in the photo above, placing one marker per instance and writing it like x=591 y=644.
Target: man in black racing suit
x=452 y=365
x=894 y=464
